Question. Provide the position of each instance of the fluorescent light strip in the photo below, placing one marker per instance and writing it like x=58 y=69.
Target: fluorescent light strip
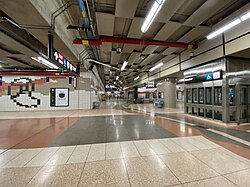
x=45 y=62
x=125 y=63
x=155 y=67
x=152 y=14
x=229 y=25
x=245 y=16
x=136 y=78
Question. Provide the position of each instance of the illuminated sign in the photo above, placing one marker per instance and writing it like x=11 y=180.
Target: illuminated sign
x=209 y=77
x=62 y=60
x=216 y=75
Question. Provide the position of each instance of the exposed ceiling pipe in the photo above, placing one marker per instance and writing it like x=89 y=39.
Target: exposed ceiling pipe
x=97 y=62
x=135 y=41
x=87 y=25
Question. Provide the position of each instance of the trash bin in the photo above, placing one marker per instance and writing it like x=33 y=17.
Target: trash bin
x=159 y=104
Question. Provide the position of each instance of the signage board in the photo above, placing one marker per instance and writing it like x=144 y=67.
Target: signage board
x=209 y=77
x=62 y=60
x=204 y=77
x=59 y=97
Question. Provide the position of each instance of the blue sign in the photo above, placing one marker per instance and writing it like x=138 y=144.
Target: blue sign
x=1 y=80
x=209 y=77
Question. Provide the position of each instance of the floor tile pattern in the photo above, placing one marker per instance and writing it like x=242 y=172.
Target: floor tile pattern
x=183 y=161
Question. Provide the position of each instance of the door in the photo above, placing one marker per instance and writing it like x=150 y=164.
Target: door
x=244 y=95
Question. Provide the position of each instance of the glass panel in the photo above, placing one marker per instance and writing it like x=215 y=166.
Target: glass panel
x=209 y=96
x=232 y=115
x=201 y=112
x=189 y=110
x=195 y=96
x=243 y=94
x=243 y=114
x=218 y=96
x=231 y=96
x=209 y=113
x=194 y=111
x=217 y=115
x=189 y=96
x=201 y=95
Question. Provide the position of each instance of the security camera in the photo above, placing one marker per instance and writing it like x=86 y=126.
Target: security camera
x=118 y=50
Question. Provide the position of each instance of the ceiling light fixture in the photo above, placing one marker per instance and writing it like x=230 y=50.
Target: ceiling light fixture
x=1 y=66
x=117 y=77
x=45 y=62
x=245 y=16
x=125 y=63
x=156 y=67
x=136 y=78
x=152 y=14
x=229 y=25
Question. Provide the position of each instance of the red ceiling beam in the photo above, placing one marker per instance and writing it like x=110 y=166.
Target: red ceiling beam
x=135 y=41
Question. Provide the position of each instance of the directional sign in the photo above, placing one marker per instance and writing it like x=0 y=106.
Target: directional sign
x=62 y=60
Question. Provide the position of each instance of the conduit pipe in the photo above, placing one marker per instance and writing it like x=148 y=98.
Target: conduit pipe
x=135 y=41
x=87 y=25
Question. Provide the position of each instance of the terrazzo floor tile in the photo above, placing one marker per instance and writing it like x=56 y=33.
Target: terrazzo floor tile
x=186 y=167
x=184 y=144
x=64 y=175
x=229 y=153
x=41 y=158
x=158 y=147
x=96 y=152
x=212 y=182
x=61 y=156
x=241 y=178
x=219 y=161
x=143 y=148
x=9 y=155
x=129 y=149
x=104 y=173
x=171 y=146
x=16 y=177
x=23 y=158
x=79 y=154
x=113 y=151
x=149 y=171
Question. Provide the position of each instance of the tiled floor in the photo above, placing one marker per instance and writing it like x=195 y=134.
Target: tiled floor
x=118 y=147
x=188 y=161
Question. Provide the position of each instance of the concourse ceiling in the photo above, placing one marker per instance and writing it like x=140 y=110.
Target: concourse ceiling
x=187 y=21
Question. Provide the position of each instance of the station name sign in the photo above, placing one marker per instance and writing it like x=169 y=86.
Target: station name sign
x=204 y=77
x=62 y=60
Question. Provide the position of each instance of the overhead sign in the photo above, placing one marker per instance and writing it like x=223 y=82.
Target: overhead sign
x=209 y=77
x=62 y=60
x=217 y=75
x=204 y=77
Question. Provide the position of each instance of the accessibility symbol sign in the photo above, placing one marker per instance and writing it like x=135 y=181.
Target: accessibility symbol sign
x=209 y=76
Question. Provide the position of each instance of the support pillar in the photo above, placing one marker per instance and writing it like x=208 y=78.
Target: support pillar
x=169 y=93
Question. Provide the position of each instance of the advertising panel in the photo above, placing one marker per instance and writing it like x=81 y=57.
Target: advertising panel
x=59 y=97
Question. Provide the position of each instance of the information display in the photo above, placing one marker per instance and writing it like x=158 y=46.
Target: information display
x=59 y=97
